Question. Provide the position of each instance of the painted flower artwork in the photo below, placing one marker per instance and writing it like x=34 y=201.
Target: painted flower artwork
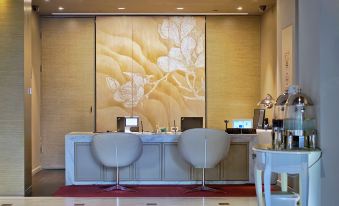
x=156 y=73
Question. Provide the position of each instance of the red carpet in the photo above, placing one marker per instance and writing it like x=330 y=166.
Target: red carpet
x=156 y=191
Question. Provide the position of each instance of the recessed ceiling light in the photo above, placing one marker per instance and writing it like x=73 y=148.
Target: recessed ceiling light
x=46 y=0
x=239 y=8
x=61 y=8
x=121 y=8
x=180 y=8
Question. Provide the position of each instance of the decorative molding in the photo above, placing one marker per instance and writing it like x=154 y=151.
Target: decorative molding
x=150 y=14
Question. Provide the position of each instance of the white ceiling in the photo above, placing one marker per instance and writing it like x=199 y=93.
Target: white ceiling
x=48 y=7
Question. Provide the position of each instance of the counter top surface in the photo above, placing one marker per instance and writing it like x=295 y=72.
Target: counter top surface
x=268 y=148
x=150 y=137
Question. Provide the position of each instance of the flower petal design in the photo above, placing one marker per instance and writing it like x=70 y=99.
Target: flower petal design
x=187 y=25
x=200 y=45
x=187 y=46
x=138 y=80
x=200 y=62
x=186 y=54
x=163 y=29
x=113 y=84
x=176 y=20
x=129 y=94
x=177 y=65
x=168 y=64
x=124 y=92
x=138 y=94
x=173 y=33
x=163 y=63
x=175 y=53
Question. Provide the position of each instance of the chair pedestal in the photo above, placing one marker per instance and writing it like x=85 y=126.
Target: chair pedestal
x=118 y=186
x=203 y=187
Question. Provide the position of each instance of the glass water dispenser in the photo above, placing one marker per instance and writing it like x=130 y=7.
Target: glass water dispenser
x=299 y=121
x=278 y=121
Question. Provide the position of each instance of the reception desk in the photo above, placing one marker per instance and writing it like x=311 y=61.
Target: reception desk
x=160 y=162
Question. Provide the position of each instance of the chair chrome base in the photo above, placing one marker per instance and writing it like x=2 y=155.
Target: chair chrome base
x=120 y=188
x=204 y=188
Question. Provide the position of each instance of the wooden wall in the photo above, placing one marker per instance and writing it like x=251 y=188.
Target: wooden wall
x=148 y=69
x=268 y=57
x=233 y=68
x=233 y=85
x=67 y=83
x=11 y=98
x=27 y=95
x=36 y=92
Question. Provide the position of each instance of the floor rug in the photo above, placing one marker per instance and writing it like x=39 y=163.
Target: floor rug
x=247 y=190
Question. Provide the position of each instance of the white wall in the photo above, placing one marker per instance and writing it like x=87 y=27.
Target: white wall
x=329 y=99
x=286 y=16
x=318 y=41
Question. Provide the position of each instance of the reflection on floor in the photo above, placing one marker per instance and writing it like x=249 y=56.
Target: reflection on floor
x=46 y=182
x=50 y=201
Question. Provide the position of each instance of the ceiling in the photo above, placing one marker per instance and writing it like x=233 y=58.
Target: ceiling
x=48 y=7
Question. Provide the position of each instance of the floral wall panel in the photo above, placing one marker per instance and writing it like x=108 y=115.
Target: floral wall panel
x=151 y=67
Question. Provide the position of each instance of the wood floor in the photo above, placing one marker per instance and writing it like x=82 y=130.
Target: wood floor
x=46 y=182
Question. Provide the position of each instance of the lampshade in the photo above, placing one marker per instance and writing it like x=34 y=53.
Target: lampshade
x=267 y=102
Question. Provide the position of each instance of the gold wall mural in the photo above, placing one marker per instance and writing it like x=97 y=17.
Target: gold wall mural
x=151 y=67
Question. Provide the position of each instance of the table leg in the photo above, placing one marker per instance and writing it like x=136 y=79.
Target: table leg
x=314 y=180
x=267 y=179
x=284 y=180
x=303 y=182
x=258 y=186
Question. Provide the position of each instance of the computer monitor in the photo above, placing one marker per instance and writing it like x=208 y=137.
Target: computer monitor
x=121 y=124
x=132 y=124
x=191 y=122
x=258 y=118
x=131 y=121
x=242 y=123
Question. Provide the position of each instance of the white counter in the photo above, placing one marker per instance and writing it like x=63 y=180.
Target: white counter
x=164 y=163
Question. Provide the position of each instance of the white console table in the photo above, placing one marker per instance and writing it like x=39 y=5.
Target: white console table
x=160 y=162
x=305 y=162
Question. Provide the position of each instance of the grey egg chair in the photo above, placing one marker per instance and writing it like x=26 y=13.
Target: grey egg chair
x=204 y=148
x=117 y=150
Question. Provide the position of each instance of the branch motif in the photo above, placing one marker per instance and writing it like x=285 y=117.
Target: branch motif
x=187 y=54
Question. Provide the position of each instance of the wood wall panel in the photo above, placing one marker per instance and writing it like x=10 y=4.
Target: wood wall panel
x=233 y=68
x=36 y=91
x=149 y=66
x=67 y=83
x=27 y=95
x=11 y=98
x=268 y=73
x=236 y=164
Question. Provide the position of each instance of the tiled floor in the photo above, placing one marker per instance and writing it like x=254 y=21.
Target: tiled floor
x=50 y=201
x=48 y=181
